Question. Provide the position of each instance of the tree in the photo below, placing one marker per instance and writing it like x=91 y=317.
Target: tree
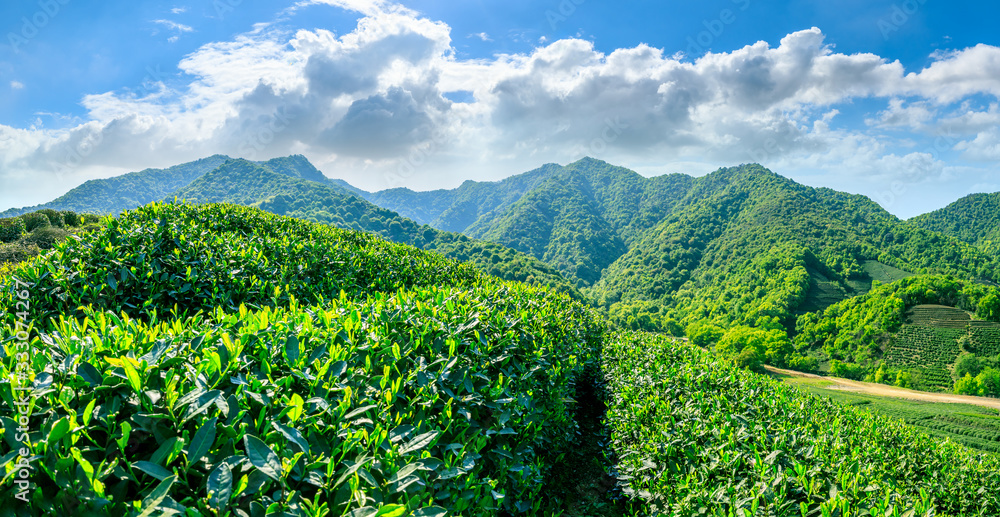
x=989 y=307
x=703 y=333
x=968 y=364
x=967 y=385
x=989 y=382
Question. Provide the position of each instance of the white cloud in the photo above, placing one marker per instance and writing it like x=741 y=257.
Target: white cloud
x=172 y=25
x=179 y=10
x=899 y=115
x=16 y=85
x=482 y=36
x=369 y=106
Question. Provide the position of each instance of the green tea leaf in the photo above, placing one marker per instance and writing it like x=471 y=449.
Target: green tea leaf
x=262 y=457
x=418 y=443
x=59 y=429
x=292 y=351
x=132 y=375
x=157 y=496
x=152 y=469
x=202 y=442
x=90 y=374
x=220 y=486
x=293 y=435
x=391 y=510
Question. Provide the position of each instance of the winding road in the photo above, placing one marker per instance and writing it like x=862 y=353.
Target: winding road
x=882 y=390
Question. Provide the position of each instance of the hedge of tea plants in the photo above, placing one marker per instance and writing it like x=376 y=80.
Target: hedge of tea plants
x=182 y=258
x=697 y=436
x=383 y=396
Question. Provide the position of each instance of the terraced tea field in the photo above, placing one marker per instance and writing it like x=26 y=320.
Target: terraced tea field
x=928 y=344
x=938 y=316
x=956 y=417
x=929 y=350
x=984 y=338
x=884 y=273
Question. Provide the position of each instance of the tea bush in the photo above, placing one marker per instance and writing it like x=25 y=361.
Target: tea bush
x=696 y=436
x=385 y=394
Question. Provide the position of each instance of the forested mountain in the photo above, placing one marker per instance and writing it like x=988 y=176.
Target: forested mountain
x=132 y=190
x=112 y=195
x=581 y=218
x=457 y=209
x=974 y=219
x=286 y=193
x=747 y=246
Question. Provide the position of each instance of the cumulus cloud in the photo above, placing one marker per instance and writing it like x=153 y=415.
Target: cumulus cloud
x=900 y=115
x=372 y=105
x=16 y=85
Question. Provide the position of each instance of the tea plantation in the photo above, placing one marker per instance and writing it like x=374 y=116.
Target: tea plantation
x=218 y=360
x=697 y=437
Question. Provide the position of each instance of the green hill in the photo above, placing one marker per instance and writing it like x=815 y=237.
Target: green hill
x=112 y=195
x=257 y=184
x=132 y=190
x=974 y=219
x=918 y=326
x=746 y=246
x=220 y=360
x=457 y=209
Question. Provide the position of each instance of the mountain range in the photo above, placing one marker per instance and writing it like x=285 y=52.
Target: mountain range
x=739 y=246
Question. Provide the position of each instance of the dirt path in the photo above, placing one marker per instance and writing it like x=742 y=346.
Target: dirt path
x=882 y=390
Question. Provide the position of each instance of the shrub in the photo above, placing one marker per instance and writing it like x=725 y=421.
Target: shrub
x=46 y=238
x=71 y=218
x=420 y=388
x=55 y=217
x=35 y=220
x=703 y=333
x=846 y=370
x=803 y=363
x=694 y=435
x=11 y=229
x=967 y=364
x=14 y=253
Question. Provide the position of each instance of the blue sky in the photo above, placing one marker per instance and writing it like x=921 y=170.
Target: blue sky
x=896 y=100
